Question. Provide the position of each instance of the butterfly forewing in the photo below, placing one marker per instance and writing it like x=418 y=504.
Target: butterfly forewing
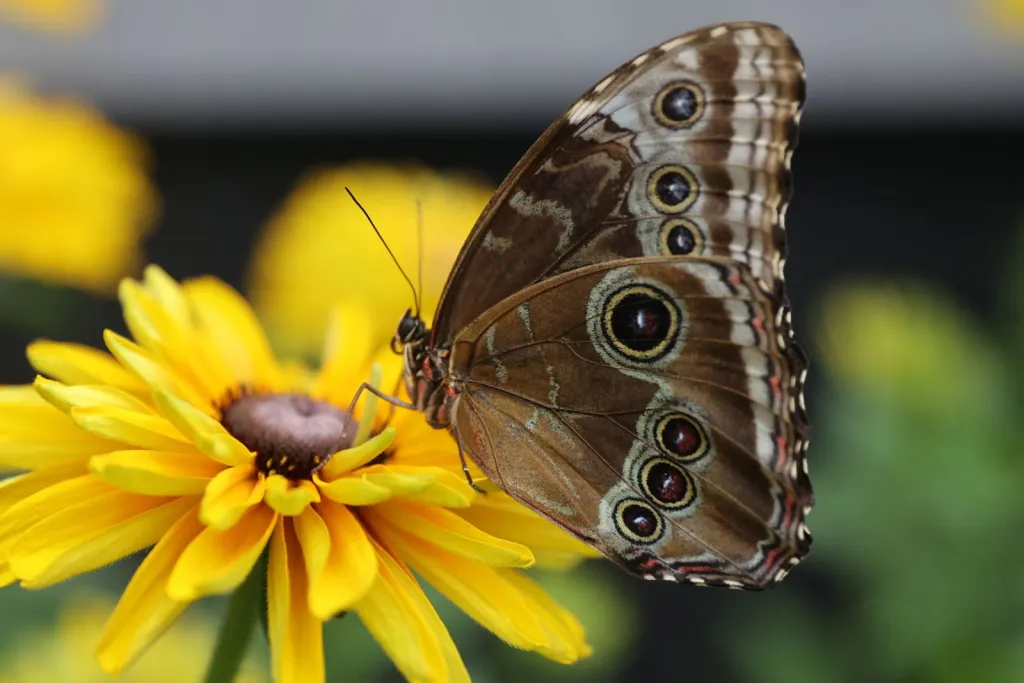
x=683 y=150
x=613 y=346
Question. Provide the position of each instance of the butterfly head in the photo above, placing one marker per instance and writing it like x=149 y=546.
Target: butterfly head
x=411 y=332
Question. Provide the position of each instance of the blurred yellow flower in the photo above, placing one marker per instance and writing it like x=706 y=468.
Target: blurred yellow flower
x=75 y=200
x=66 y=654
x=904 y=343
x=303 y=264
x=60 y=16
x=192 y=437
x=1005 y=16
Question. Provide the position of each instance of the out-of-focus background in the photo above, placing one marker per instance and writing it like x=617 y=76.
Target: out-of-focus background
x=213 y=137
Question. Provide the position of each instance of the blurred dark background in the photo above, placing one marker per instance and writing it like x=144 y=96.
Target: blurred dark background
x=904 y=232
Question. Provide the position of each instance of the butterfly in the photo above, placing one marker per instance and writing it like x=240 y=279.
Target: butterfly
x=613 y=347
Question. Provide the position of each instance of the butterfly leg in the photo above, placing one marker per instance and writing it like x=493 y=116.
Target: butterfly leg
x=465 y=466
x=366 y=386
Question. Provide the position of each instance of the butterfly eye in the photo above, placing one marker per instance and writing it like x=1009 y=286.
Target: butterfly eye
x=679 y=105
x=681 y=236
x=641 y=322
x=681 y=437
x=638 y=521
x=672 y=189
x=668 y=484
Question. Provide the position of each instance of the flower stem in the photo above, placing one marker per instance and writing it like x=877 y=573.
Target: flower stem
x=236 y=631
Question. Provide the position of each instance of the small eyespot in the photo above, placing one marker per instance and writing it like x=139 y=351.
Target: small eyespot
x=672 y=189
x=668 y=484
x=641 y=322
x=681 y=236
x=681 y=437
x=679 y=104
x=638 y=521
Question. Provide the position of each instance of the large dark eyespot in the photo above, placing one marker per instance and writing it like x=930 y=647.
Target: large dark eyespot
x=641 y=322
x=672 y=189
x=681 y=437
x=681 y=236
x=668 y=484
x=679 y=105
x=638 y=521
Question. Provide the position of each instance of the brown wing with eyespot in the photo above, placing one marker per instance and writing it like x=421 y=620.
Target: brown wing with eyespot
x=683 y=150
x=652 y=406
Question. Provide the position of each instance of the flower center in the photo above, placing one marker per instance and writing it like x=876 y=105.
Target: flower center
x=292 y=435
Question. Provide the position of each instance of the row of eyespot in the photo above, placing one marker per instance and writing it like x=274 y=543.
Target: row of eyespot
x=663 y=480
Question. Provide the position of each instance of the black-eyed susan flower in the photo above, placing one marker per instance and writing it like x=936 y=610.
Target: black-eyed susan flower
x=295 y=277
x=69 y=178
x=64 y=653
x=191 y=438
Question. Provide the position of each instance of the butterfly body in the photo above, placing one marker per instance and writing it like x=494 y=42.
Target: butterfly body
x=613 y=347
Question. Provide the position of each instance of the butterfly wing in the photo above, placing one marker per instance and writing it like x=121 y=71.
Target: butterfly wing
x=653 y=407
x=683 y=150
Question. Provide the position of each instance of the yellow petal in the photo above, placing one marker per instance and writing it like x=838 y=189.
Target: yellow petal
x=79 y=364
x=399 y=483
x=178 y=347
x=456 y=668
x=92 y=534
x=315 y=538
x=145 y=609
x=369 y=407
x=229 y=495
x=65 y=397
x=290 y=498
x=6 y=577
x=447 y=530
x=340 y=561
x=38 y=506
x=156 y=473
x=353 y=491
x=498 y=513
x=34 y=434
x=397 y=621
x=169 y=294
x=448 y=489
x=218 y=561
x=569 y=640
x=296 y=636
x=142 y=430
x=349 y=459
x=153 y=372
x=206 y=433
x=480 y=591
x=235 y=332
x=16 y=489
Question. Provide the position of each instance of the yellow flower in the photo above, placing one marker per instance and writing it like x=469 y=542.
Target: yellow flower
x=303 y=264
x=901 y=341
x=74 y=197
x=195 y=439
x=66 y=653
x=1004 y=16
x=59 y=16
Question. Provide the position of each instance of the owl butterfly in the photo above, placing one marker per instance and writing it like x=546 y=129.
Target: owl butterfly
x=613 y=347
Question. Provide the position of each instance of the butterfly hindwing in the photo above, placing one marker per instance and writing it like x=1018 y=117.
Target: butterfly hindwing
x=591 y=394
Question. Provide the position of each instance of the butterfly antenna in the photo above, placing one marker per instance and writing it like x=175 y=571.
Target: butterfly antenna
x=415 y=294
x=419 y=254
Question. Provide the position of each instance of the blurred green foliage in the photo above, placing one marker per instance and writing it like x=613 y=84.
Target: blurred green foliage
x=918 y=465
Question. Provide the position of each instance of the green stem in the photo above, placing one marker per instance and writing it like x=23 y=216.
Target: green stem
x=236 y=631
